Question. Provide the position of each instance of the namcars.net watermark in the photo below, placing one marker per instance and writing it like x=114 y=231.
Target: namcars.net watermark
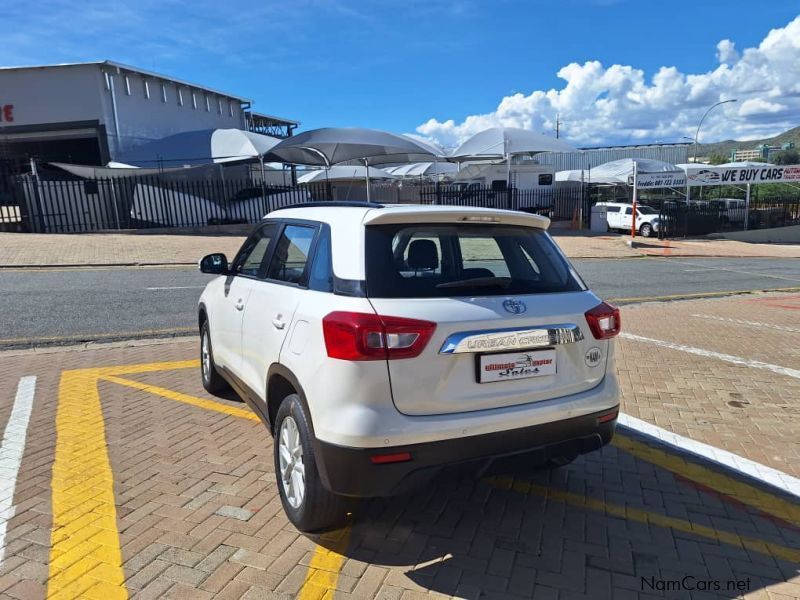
x=691 y=583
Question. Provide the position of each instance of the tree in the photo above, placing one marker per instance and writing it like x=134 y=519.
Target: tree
x=786 y=157
x=717 y=159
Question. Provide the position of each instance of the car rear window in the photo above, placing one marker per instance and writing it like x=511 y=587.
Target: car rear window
x=460 y=260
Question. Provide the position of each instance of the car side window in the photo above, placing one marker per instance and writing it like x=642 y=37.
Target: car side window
x=628 y=211
x=291 y=254
x=250 y=261
x=321 y=275
x=611 y=209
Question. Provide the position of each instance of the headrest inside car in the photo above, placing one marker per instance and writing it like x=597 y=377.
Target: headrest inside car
x=423 y=254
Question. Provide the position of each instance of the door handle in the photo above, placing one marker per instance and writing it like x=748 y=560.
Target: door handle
x=278 y=323
x=239 y=304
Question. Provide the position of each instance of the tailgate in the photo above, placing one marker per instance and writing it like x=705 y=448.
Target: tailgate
x=547 y=352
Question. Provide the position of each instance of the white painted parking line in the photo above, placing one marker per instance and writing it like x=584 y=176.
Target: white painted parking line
x=177 y=287
x=729 y=460
x=11 y=452
x=750 y=323
x=697 y=267
x=737 y=360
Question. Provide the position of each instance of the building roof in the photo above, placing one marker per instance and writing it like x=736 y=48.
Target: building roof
x=272 y=118
x=654 y=144
x=124 y=67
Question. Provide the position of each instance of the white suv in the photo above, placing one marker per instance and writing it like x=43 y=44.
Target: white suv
x=380 y=344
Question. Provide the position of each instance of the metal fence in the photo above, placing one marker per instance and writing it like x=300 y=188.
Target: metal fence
x=82 y=205
x=533 y=200
x=679 y=219
x=48 y=205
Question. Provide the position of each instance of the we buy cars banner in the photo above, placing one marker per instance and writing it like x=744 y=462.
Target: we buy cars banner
x=664 y=179
x=742 y=175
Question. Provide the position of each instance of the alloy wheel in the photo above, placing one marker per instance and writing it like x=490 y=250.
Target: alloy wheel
x=205 y=352
x=290 y=459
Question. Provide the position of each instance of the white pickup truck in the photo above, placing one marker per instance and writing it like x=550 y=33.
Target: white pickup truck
x=619 y=215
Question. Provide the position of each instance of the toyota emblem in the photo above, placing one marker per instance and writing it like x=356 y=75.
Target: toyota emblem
x=515 y=307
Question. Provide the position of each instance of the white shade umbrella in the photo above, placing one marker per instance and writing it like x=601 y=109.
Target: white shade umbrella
x=201 y=147
x=343 y=173
x=333 y=145
x=422 y=169
x=617 y=171
x=501 y=142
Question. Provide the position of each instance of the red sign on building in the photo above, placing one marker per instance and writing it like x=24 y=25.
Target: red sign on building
x=7 y=112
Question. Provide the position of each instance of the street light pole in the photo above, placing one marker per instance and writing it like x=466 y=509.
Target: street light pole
x=705 y=114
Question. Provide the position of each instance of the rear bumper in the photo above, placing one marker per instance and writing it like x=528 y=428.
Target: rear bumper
x=351 y=472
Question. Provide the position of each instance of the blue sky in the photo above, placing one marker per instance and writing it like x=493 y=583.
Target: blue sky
x=398 y=64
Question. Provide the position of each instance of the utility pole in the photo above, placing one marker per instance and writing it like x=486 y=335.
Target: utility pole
x=558 y=126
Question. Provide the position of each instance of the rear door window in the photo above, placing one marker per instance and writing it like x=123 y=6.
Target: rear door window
x=291 y=254
x=457 y=260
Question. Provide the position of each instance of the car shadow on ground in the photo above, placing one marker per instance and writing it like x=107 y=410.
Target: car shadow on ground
x=610 y=525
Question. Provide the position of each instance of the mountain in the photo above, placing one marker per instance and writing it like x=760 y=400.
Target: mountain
x=726 y=147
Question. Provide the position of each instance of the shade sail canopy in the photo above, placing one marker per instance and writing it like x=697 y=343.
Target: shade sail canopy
x=423 y=169
x=586 y=176
x=332 y=145
x=201 y=147
x=116 y=172
x=343 y=173
x=499 y=142
x=616 y=171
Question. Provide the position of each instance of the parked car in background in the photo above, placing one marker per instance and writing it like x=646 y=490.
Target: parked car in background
x=733 y=210
x=383 y=344
x=620 y=216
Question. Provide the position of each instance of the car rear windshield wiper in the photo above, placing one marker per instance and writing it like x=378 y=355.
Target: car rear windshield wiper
x=503 y=282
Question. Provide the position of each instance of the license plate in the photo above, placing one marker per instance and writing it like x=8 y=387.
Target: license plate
x=515 y=365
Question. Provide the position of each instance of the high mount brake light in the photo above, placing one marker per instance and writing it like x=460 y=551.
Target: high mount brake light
x=365 y=336
x=604 y=321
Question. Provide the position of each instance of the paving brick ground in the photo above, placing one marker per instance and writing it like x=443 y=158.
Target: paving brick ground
x=25 y=249
x=198 y=516
x=752 y=412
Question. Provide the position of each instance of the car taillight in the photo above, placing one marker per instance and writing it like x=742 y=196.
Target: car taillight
x=364 y=336
x=604 y=321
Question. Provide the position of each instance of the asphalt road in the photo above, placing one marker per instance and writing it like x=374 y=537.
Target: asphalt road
x=75 y=305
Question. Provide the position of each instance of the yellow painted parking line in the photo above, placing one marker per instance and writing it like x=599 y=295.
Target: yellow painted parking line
x=84 y=534
x=85 y=555
x=234 y=411
x=643 y=516
x=326 y=563
x=724 y=484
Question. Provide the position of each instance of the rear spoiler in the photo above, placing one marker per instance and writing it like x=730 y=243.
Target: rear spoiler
x=454 y=214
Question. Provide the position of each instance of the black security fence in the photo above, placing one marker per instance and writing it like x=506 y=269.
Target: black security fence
x=63 y=205
x=677 y=218
x=47 y=205
x=84 y=205
x=532 y=200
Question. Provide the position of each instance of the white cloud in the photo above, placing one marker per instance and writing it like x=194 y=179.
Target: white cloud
x=618 y=104
x=726 y=52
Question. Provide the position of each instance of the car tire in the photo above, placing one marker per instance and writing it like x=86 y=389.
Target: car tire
x=646 y=230
x=212 y=380
x=308 y=504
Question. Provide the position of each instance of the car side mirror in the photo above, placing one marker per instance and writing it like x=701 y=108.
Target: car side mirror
x=214 y=264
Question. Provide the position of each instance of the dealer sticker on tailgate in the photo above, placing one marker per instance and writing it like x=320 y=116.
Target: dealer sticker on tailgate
x=516 y=365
